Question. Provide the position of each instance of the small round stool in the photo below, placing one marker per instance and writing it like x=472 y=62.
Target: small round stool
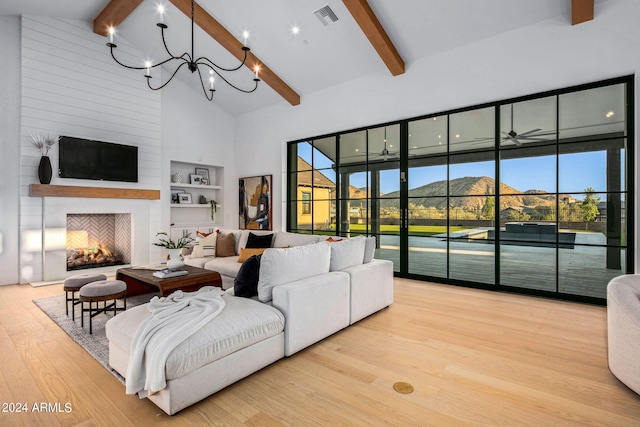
x=102 y=290
x=73 y=284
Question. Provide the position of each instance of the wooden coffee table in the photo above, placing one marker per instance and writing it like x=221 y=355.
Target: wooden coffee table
x=142 y=281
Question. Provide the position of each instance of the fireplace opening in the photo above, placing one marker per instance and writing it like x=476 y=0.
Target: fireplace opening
x=98 y=240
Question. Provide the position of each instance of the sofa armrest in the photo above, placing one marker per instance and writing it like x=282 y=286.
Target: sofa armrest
x=314 y=308
x=371 y=288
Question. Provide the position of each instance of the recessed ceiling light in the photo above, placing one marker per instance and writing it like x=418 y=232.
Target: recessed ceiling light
x=295 y=30
x=357 y=150
x=457 y=135
x=610 y=114
x=414 y=147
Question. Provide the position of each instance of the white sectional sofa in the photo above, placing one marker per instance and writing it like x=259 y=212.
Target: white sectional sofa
x=305 y=293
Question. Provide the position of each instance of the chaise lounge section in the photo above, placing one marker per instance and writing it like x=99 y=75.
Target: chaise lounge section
x=304 y=294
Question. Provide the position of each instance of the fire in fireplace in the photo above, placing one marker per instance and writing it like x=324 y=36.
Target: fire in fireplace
x=98 y=240
x=93 y=257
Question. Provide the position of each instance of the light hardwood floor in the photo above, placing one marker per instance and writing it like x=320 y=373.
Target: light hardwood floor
x=474 y=357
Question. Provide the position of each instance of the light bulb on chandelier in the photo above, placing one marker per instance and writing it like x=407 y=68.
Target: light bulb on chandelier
x=193 y=64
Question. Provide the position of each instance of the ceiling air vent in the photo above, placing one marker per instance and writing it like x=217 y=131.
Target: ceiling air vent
x=326 y=15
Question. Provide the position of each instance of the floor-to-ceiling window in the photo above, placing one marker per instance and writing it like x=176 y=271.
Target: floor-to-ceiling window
x=530 y=194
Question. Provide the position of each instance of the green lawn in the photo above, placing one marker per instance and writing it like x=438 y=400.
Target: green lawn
x=415 y=230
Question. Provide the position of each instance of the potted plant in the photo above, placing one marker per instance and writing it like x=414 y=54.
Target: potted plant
x=43 y=144
x=174 y=247
x=214 y=209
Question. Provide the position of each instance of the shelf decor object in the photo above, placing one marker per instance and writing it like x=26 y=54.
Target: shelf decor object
x=201 y=65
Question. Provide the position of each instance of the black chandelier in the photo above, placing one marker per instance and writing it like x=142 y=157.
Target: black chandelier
x=190 y=61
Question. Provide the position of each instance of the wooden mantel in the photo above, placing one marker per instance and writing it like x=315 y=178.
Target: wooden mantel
x=45 y=190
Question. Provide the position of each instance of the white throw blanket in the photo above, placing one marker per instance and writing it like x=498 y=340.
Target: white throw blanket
x=173 y=319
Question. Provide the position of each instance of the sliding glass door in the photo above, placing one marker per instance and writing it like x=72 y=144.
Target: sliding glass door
x=530 y=195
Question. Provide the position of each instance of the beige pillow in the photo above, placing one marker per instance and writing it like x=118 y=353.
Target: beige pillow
x=246 y=253
x=225 y=245
x=205 y=247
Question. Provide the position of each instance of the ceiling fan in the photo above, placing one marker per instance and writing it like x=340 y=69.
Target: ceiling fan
x=519 y=138
x=385 y=153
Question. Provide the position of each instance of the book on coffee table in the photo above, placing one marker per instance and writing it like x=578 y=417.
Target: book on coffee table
x=166 y=273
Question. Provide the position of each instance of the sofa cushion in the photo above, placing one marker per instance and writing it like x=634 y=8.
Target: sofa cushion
x=205 y=245
x=226 y=266
x=284 y=239
x=279 y=266
x=369 y=249
x=246 y=253
x=347 y=253
x=196 y=262
x=242 y=323
x=246 y=283
x=259 y=241
x=225 y=245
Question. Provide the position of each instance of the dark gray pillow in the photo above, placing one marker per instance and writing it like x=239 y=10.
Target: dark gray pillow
x=246 y=282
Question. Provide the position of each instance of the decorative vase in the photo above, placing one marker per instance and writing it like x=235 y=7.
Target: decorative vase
x=174 y=259
x=44 y=170
x=176 y=177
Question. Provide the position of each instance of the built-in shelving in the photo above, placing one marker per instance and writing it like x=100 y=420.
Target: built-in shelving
x=194 y=216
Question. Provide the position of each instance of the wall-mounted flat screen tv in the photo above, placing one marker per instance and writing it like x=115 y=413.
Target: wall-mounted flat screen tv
x=87 y=159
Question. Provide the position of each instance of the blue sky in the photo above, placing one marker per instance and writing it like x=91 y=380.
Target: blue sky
x=577 y=172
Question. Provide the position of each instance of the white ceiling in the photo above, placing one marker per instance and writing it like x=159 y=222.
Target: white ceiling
x=319 y=57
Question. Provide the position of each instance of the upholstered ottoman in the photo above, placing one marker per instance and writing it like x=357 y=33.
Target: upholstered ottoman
x=623 y=318
x=245 y=337
x=102 y=290
x=73 y=284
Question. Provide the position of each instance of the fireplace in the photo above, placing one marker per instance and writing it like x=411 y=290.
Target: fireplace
x=98 y=240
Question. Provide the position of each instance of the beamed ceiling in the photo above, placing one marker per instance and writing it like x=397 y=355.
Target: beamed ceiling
x=369 y=37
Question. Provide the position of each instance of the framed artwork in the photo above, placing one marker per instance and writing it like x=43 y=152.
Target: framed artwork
x=255 y=202
x=204 y=173
x=174 y=196
x=195 y=179
x=184 y=198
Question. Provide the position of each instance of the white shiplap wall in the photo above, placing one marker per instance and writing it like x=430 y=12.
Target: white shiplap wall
x=71 y=86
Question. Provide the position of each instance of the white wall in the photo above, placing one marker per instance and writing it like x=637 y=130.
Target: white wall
x=10 y=157
x=71 y=86
x=544 y=56
x=195 y=130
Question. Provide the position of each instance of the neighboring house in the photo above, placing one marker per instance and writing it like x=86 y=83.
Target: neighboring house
x=316 y=187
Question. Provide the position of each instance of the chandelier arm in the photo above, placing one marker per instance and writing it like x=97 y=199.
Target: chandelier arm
x=228 y=82
x=167 y=82
x=212 y=64
x=204 y=90
x=150 y=66
x=165 y=43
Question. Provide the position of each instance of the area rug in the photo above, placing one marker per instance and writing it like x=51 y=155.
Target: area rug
x=95 y=344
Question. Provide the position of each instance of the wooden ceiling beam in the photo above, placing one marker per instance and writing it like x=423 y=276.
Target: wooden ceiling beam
x=113 y=15
x=371 y=27
x=229 y=42
x=581 y=11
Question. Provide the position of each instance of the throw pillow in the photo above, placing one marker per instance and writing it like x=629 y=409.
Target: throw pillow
x=202 y=233
x=331 y=239
x=259 y=241
x=247 y=253
x=246 y=282
x=204 y=246
x=225 y=245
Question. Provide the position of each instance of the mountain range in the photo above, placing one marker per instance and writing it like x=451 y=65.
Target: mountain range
x=469 y=193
